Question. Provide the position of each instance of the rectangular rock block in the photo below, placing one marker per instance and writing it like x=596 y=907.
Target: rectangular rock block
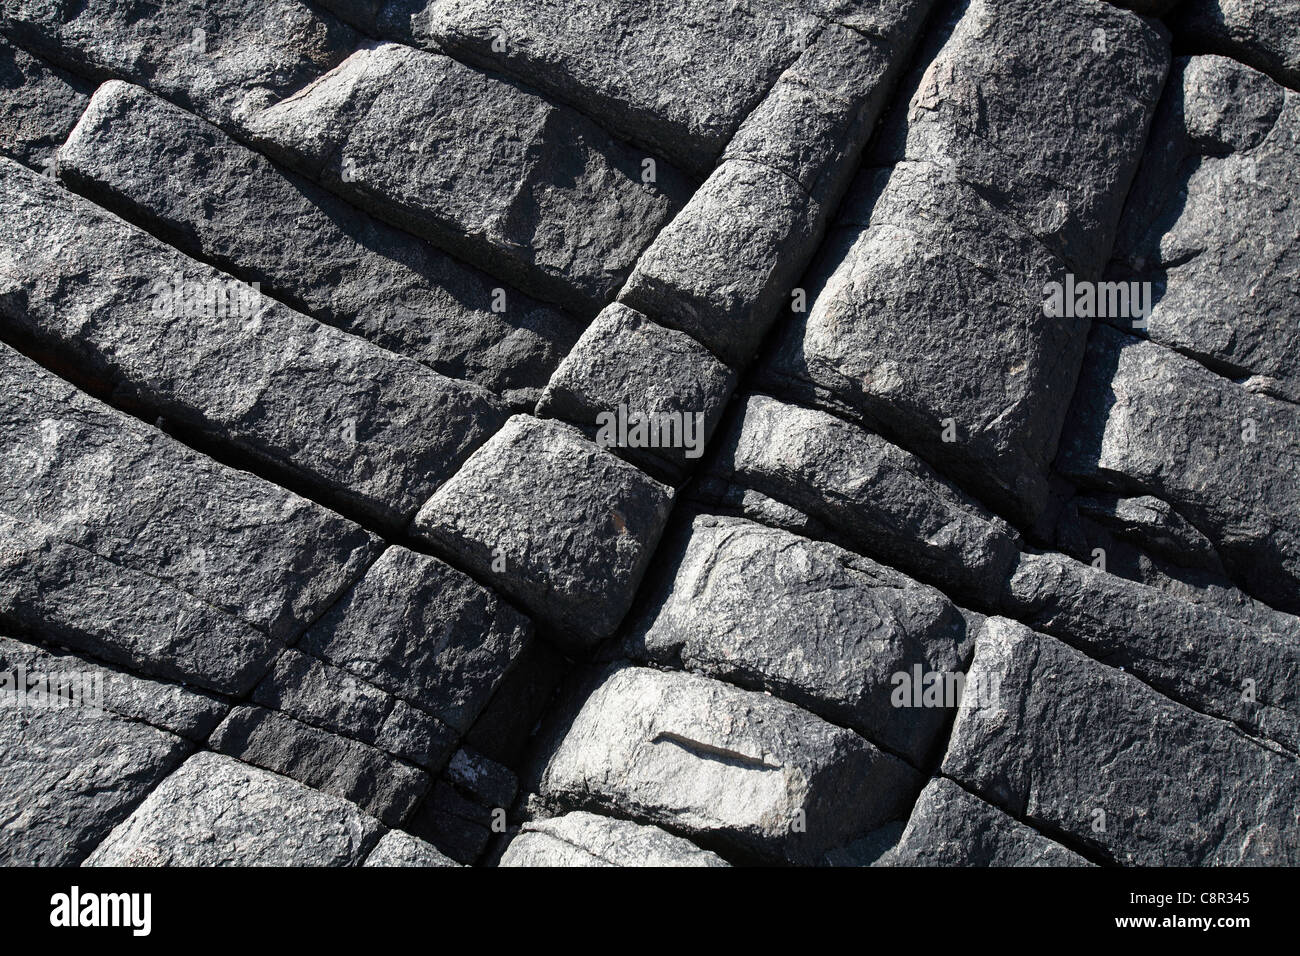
x=554 y=521
x=737 y=768
x=546 y=200
x=39 y=106
x=215 y=811
x=371 y=430
x=821 y=627
x=217 y=200
x=107 y=500
x=868 y=494
x=1076 y=747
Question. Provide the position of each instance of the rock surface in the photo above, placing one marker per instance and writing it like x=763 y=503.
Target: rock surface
x=586 y=839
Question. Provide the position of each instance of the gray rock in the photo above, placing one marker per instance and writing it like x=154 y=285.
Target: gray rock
x=725 y=497
x=216 y=200
x=553 y=521
x=181 y=710
x=1261 y=34
x=666 y=75
x=1208 y=660
x=425 y=633
x=1074 y=747
x=807 y=621
x=626 y=368
x=1148 y=420
x=382 y=786
x=950 y=827
x=486 y=781
x=458 y=825
x=547 y=201
x=721 y=269
x=930 y=324
x=39 y=105
x=401 y=849
x=1211 y=225
x=68 y=776
x=129 y=496
x=869 y=493
x=744 y=770
x=330 y=698
x=1151 y=523
x=68 y=593
x=587 y=839
x=215 y=811
x=372 y=430
x=1017 y=103
x=223 y=59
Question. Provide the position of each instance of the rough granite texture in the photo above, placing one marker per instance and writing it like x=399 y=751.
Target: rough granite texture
x=442 y=433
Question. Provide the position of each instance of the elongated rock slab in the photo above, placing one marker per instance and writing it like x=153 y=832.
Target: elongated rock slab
x=1120 y=783
x=701 y=757
x=215 y=811
x=809 y=622
x=375 y=431
x=587 y=839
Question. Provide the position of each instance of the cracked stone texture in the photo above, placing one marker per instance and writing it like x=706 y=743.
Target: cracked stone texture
x=1260 y=34
x=553 y=521
x=735 y=767
x=396 y=848
x=389 y=624
x=223 y=59
x=376 y=431
x=219 y=201
x=1065 y=737
x=39 y=106
x=1148 y=419
x=215 y=811
x=234 y=561
x=1214 y=224
x=950 y=827
x=807 y=621
x=425 y=633
x=868 y=493
x=557 y=205
x=587 y=839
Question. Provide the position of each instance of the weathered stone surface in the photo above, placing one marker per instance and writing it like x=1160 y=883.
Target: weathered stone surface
x=929 y=323
x=67 y=776
x=807 y=621
x=373 y=430
x=401 y=849
x=219 y=201
x=1147 y=521
x=950 y=827
x=215 y=811
x=1214 y=227
x=869 y=493
x=587 y=839
x=180 y=710
x=1261 y=34
x=91 y=478
x=425 y=633
x=553 y=521
x=703 y=758
x=39 y=105
x=720 y=270
x=223 y=59
x=68 y=593
x=633 y=369
x=1066 y=738
x=664 y=74
x=382 y=786
x=1146 y=419
x=332 y=699
x=546 y=200
x=1018 y=104
x=486 y=781
x=1191 y=652
x=463 y=810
